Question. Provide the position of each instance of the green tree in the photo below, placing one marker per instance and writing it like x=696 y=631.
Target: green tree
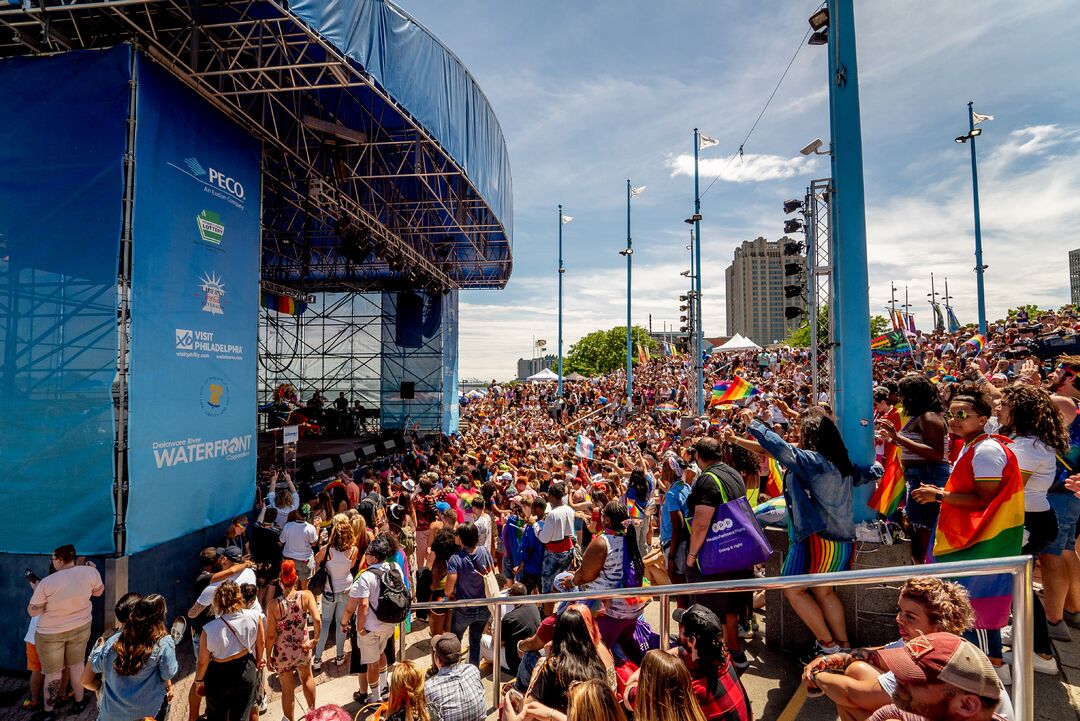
x=879 y=325
x=603 y=351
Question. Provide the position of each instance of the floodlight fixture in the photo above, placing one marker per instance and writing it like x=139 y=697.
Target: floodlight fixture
x=794 y=225
x=820 y=19
x=685 y=273
x=627 y=251
x=813 y=148
x=821 y=37
x=695 y=218
x=790 y=206
x=972 y=134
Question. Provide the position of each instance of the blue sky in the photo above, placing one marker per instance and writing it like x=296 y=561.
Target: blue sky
x=592 y=93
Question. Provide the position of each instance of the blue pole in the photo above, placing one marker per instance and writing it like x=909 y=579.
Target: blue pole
x=699 y=340
x=853 y=386
x=560 y=300
x=978 y=228
x=629 y=335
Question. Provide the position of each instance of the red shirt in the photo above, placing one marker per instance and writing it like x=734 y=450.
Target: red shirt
x=732 y=703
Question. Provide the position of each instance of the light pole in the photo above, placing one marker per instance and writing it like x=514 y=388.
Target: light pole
x=973 y=132
x=699 y=341
x=631 y=192
x=563 y=220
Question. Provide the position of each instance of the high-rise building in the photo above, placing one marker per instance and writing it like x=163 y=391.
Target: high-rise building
x=755 y=283
x=531 y=366
x=1074 y=275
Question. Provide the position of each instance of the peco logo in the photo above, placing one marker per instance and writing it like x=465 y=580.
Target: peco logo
x=724 y=524
x=219 y=184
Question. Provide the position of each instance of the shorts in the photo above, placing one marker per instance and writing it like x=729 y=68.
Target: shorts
x=304 y=569
x=33 y=663
x=372 y=643
x=1066 y=507
x=731 y=602
x=554 y=564
x=817 y=555
x=530 y=580
x=56 y=650
x=924 y=515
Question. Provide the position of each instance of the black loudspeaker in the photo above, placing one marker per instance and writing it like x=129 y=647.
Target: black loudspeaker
x=322 y=468
x=368 y=451
x=347 y=459
x=408 y=323
x=408 y=390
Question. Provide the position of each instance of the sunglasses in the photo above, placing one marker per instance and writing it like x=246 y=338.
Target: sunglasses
x=959 y=415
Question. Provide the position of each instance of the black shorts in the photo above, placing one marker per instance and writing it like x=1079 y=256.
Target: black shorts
x=531 y=581
x=737 y=602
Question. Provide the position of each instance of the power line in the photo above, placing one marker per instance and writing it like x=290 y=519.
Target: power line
x=739 y=152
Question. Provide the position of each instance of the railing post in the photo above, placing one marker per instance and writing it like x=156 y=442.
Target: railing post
x=665 y=622
x=401 y=641
x=1023 y=647
x=496 y=644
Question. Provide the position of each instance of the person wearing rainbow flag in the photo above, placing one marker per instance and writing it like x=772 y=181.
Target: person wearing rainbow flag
x=982 y=515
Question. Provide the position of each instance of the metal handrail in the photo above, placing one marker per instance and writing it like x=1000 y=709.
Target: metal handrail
x=1019 y=567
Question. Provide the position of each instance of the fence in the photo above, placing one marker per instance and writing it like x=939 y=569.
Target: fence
x=1019 y=567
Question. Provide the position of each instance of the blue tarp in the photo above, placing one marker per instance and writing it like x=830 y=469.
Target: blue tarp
x=61 y=149
x=428 y=80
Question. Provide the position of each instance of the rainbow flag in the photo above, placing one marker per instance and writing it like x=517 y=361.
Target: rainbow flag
x=978 y=340
x=667 y=408
x=282 y=303
x=732 y=390
x=892 y=343
x=890 y=488
x=633 y=508
x=775 y=485
x=997 y=531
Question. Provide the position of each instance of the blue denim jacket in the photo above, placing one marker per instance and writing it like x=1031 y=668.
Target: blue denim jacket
x=818 y=496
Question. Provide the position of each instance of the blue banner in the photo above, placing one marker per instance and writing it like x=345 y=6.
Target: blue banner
x=61 y=149
x=195 y=312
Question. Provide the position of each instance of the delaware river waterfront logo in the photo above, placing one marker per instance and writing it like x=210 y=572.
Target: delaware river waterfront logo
x=214 y=397
x=213 y=289
x=168 y=454
x=210 y=228
x=216 y=182
x=202 y=344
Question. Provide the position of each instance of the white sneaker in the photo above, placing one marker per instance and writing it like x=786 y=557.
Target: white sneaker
x=1049 y=666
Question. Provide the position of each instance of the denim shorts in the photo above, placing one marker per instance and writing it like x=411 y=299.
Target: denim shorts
x=554 y=564
x=1066 y=507
x=924 y=515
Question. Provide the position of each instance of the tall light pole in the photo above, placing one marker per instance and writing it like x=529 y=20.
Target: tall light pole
x=628 y=253
x=699 y=341
x=563 y=220
x=852 y=379
x=973 y=132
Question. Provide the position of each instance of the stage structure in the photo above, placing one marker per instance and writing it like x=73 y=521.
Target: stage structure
x=166 y=159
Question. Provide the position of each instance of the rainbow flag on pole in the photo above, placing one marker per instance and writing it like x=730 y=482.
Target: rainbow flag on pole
x=732 y=390
x=886 y=497
x=978 y=341
x=775 y=485
x=994 y=532
x=282 y=303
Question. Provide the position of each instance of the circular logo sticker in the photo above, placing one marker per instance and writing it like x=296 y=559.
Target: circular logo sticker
x=214 y=396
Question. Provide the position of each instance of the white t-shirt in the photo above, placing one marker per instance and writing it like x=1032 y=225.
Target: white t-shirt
x=245 y=576
x=29 y=638
x=223 y=642
x=483 y=529
x=66 y=598
x=283 y=513
x=1040 y=460
x=558 y=524
x=298 y=537
x=366 y=586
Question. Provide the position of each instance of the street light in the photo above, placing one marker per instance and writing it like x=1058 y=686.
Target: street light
x=972 y=134
x=695 y=218
x=819 y=23
x=812 y=148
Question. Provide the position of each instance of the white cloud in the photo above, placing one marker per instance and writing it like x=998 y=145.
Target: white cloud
x=746 y=168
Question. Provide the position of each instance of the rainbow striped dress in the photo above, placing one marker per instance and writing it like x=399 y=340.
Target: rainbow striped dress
x=996 y=531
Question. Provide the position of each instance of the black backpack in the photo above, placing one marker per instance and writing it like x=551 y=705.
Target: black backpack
x=394 y=600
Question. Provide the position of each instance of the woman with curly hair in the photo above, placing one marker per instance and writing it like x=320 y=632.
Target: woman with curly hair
x=137 y=664
x=854 y=683
x=339 y=555
x=1029 y=416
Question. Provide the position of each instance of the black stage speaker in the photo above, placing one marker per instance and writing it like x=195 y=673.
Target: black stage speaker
x=322 y=468
x=408 y=323
x=408 y=390
x=368 y=451
x=347 y=459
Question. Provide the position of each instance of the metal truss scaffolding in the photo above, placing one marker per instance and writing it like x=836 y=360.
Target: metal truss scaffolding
x=819 y=262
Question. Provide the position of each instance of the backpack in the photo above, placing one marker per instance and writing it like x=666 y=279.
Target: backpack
x=394 y=599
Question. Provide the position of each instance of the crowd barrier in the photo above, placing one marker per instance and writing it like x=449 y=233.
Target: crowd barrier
x=1019 y=567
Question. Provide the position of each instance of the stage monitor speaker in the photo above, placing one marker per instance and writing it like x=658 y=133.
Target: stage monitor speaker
x=368 y=451
x=408 y=390
x=390 y=445
x=347 y=459
x=409 y=321
x=322 y=468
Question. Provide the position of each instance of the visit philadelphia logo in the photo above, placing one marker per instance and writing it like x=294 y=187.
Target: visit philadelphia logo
x=210 y=227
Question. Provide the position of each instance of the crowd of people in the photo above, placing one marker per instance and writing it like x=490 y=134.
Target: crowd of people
x=977 y=443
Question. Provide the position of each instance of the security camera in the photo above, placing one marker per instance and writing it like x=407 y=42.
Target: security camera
x=812 y=147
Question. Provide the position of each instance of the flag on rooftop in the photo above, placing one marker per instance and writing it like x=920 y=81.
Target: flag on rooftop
x=704 y=141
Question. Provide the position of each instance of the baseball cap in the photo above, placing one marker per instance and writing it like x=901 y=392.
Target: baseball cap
x=697 y=620
x=233 y=553
x=447 y=648
x=943 y=658
x=409 y=485
x=506 y=476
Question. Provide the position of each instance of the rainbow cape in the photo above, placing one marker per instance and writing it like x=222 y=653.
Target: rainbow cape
x=775 y=485
x=732 y=390
x=890 y=489
x=995 y=532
